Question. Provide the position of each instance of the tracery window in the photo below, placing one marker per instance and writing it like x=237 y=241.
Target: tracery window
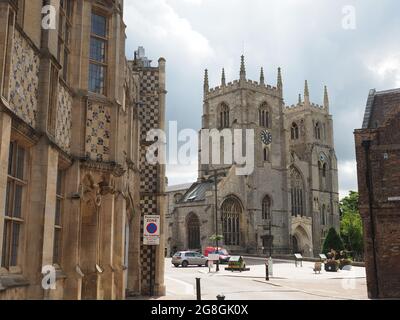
x=231 y=210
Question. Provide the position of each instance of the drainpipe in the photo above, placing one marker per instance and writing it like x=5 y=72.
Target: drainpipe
x=367 y=144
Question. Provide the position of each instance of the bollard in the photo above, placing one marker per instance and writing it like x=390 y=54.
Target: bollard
x=198 y=289
x=266 y=272
x=220 y=297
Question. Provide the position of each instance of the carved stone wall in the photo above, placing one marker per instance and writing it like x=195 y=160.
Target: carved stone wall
x=64 y=120
x=24 y=80
x=98 y=132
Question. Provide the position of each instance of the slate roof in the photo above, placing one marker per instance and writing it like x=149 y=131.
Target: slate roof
x=197 y=192
x=380 y=105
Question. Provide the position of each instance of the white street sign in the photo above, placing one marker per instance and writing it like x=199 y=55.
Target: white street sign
x=151 y=230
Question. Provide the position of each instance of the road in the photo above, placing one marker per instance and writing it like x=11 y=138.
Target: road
x=287 y=283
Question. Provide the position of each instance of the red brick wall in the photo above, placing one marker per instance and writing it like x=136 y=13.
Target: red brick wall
x=383 y=262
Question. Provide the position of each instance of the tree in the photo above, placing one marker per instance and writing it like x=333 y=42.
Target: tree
x=215 y=237
x=349 y=203
x=351 y=224
x=332 y=242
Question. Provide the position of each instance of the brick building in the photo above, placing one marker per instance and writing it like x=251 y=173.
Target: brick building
x=73 y=111
x=378 y=165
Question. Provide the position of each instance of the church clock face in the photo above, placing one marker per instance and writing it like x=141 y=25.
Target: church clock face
x=266 y=137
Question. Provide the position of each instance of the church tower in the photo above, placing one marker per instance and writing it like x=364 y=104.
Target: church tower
x=290 y=199
x=246 y=104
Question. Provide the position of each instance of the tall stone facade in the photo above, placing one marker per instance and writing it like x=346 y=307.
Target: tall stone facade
x=72 y=116
x=290 y=200
x=378 y=166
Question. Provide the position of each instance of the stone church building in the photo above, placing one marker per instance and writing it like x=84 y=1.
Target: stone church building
x=74 y=182
x=290 y=200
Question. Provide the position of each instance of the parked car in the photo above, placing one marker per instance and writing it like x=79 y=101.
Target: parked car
x=188 y=258
x=224 y=255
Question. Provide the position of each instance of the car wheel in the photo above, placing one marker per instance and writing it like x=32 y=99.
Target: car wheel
x=206 y=264
x=185 y=264
x=176 y=265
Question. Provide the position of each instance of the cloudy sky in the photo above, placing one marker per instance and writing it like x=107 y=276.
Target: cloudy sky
x=316 y=40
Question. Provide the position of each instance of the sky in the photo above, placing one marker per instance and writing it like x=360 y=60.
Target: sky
x=349 y=46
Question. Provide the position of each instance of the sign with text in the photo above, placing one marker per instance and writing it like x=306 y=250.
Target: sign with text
x=213 y=257
x=151 y=230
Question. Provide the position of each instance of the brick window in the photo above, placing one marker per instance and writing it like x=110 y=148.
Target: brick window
x=64 y=35
x=14 y=217
x=58 y=225
x=98 y=54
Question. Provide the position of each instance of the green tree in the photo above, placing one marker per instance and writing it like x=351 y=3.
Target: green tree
x=332 y=241
x=215 y=237
x=349 y=203
x=351 y=224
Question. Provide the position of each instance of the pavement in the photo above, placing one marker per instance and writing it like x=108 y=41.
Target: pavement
x=288 y=282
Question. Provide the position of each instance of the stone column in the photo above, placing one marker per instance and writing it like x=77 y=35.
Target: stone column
x=119 y=247
x=5 y=133
x=134 y=273
x=40 y=214
x=107 y=291
x=71 y=230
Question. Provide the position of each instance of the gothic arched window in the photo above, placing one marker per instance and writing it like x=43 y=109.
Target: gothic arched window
x=297 y=193
x=193 y=231
x=294 y=131
x=317 y=131
x=231 y=210
x=264 y=116
x=322 y=169
x=323 y=215
x=266 y=154
x=266 y=208
x=224 y=116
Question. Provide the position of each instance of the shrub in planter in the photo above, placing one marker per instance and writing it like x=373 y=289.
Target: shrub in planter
x=345 y=262
x=332 y=266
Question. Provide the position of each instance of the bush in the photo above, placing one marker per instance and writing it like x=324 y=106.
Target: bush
x=345 y=262
x=332 y=242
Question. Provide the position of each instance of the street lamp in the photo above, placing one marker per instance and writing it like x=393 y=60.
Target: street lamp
x=216 y=173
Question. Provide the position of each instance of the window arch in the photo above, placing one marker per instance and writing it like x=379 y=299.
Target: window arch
x=323 y=215
x=317 y=130
x=193 y=231
x=323 y=173
x=266 y=154
x=231 y=210
x=264 y=116
x=295 y=131
x=297 y=193
x=266 y=208
x=224 y=116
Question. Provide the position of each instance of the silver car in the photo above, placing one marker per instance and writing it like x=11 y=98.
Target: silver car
x=187 y=258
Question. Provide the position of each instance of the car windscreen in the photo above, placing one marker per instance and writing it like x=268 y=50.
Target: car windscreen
x=178 y=254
